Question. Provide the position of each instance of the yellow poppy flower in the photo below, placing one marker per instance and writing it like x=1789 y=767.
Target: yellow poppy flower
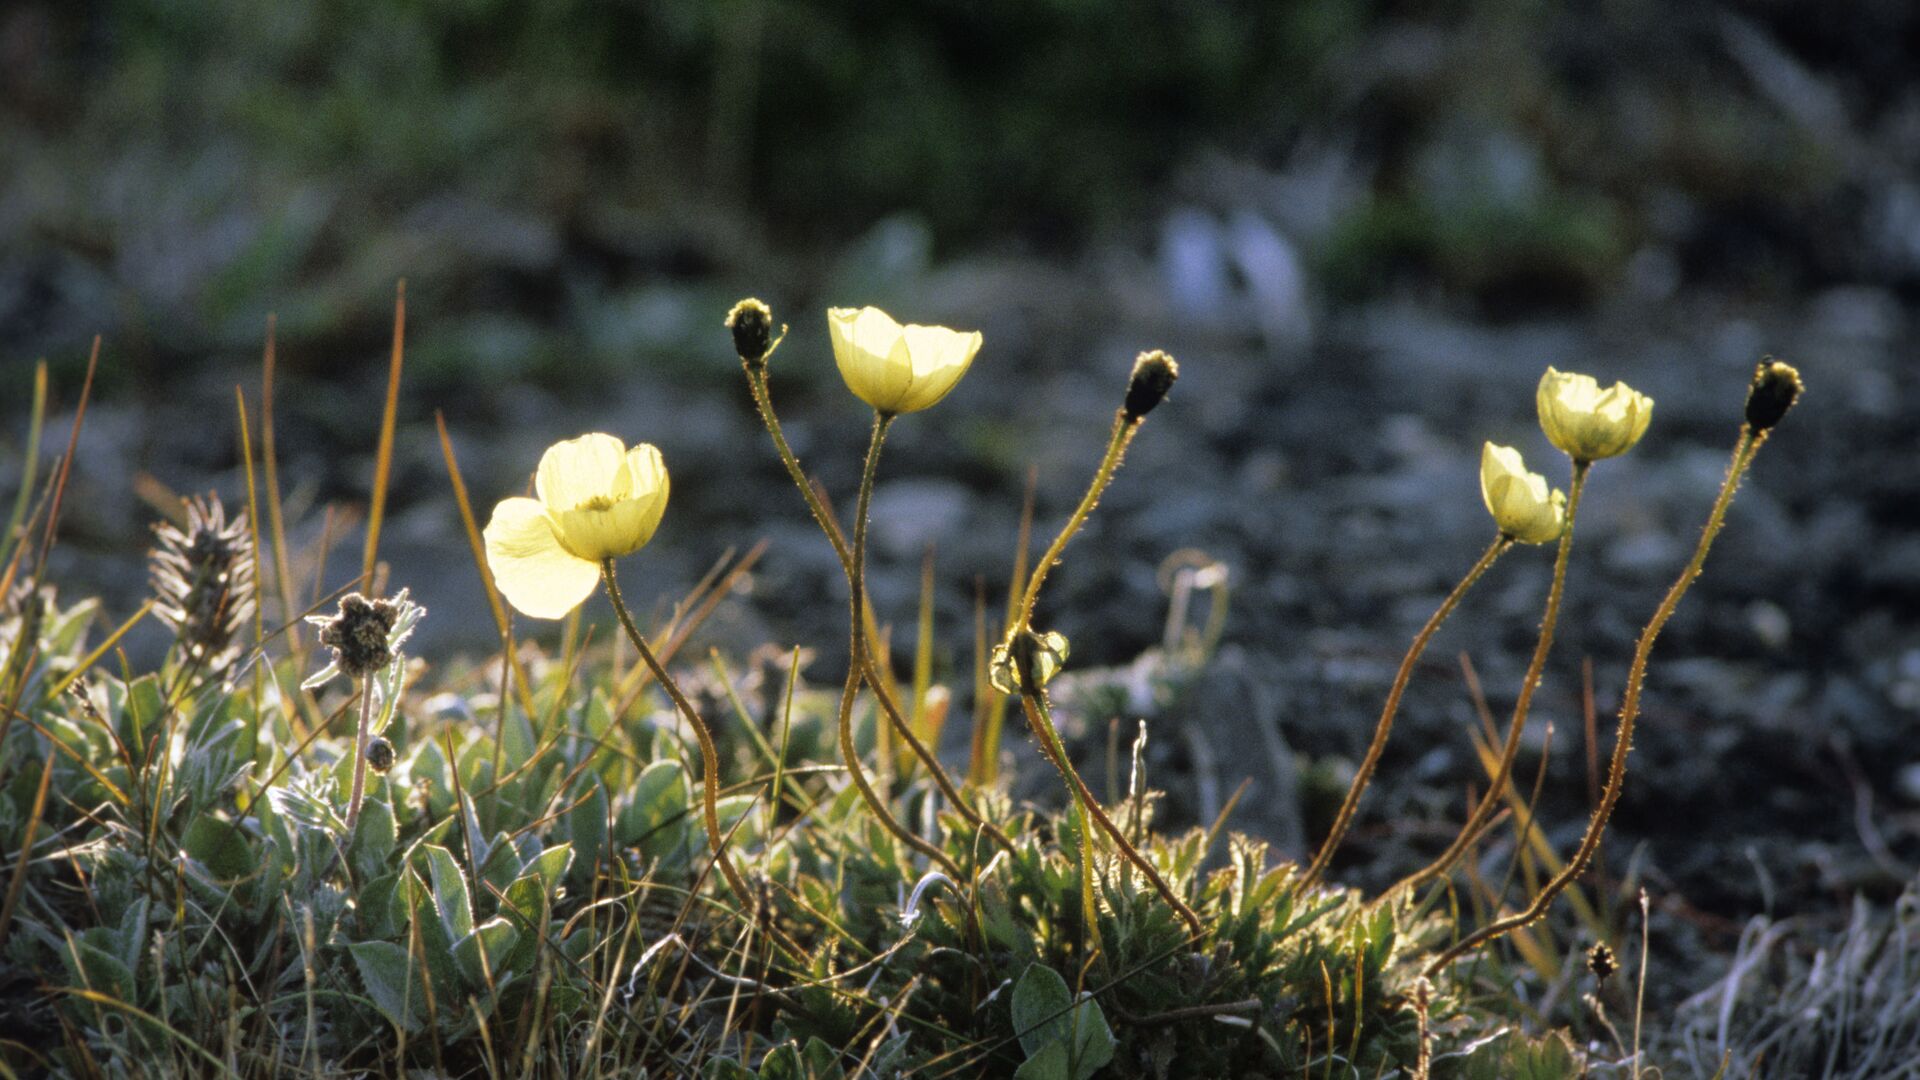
x=1590 y=423
x=1518 y=499
x=597 y=500
x=897 y=369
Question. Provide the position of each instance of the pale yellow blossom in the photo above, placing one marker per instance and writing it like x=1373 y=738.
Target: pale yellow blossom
x=1519 y=501
x=898 y=369
x=597 y=500
x=1587 y=422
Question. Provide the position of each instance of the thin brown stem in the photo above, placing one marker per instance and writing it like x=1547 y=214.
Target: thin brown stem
x=1124 y=428
x=1384 y=728
x=709 y=753
x=1523 y=705
x=856 y=668
x=763 y=401
x=1743 y=454
x=1041 y=719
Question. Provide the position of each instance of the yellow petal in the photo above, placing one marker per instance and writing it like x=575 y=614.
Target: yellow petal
x=940 y=357
x=871 y=352
x=579 y=471
x=1589 y=423
x=535 y=574
x=1519 y=500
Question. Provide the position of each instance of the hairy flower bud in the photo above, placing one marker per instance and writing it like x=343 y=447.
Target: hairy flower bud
x=203 y=581
x=1776 y=386
x=379 y=754
x=1153 y=375
x=752 y=324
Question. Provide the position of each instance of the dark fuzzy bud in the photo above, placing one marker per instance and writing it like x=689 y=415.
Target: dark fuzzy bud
x=1776 y=386
x=379 y=755
x=752 y=324
x=1601 y=962
x=358 y=634
x=1153 y=375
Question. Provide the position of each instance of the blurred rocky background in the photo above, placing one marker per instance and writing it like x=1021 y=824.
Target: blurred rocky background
x=1364 y=228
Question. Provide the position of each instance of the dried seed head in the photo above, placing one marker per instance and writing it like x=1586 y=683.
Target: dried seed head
x=1601 y=962
x=1776 y=386
x=379 y=754
x=1153 y=375
x=752 y=324
x=203 y=581
x=358 y=634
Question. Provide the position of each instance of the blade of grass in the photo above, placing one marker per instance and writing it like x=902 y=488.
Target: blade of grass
x=923 y=647
x=383 y=464
x=478 y=547
x=29 y=468
x=19 y=880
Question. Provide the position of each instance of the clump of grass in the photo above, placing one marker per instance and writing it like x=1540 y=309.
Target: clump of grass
x=556 y=863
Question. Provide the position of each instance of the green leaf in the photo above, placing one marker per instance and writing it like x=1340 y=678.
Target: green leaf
x=725 y=1069
x=1046 y=1013
x=502 y=865
x=657 y=813
x=1518 y=1057
x=220 y=846
x=382 y=913
x=551 y=867
x=450 y=897
x=397 y=987
x=587 y=824
x=373 y=839
x=732 y=809
x=100 y=970
x=495 y=939
x=1051 y=1063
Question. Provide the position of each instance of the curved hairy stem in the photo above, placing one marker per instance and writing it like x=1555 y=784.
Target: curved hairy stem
x=856 y=669
x=1384 y=727
x=763 y=401
x=709 y=753
x=1124 y=428
x=1743 y=454
x=1483 y=812
x=1041 y=719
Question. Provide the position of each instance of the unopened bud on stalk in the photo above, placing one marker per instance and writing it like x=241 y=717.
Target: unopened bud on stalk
x=752 y=324
x=1776 y=385
x=379 y=754
x=1153 y=375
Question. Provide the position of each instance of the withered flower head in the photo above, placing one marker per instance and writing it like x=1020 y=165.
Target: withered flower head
x=203 y=580
x=752 y=324
x=358 y=634
x=1776 y=386
x=1601 y=962
x=1153 y=375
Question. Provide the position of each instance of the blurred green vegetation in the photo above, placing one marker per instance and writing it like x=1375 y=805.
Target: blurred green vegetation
x=565 y=181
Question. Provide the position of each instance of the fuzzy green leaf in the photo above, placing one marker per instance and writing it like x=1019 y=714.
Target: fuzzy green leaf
x=495 y=939
x=450 y=898
x=397 y=987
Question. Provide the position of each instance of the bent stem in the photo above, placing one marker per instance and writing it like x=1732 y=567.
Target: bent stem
x=1483 y=812
x=360 y=740
x=763 y=401
x=1384 y=727
x=1040 y=717
x=856 y=668
x=1124 y=428
x=709 y=754
x=1743 y=455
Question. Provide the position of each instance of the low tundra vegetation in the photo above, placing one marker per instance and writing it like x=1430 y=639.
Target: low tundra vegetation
x=295 y=849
